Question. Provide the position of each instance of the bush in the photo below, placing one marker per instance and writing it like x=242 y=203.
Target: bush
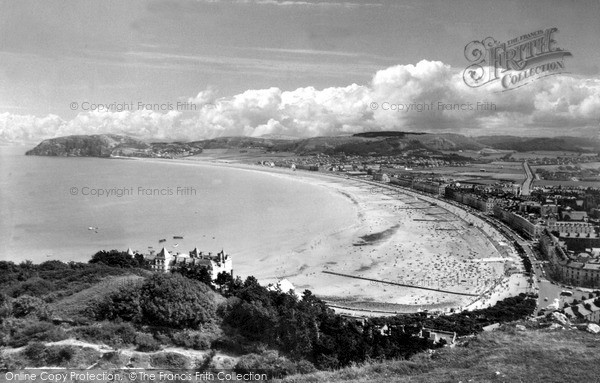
x=270 y=360
x=115 y=258
x=146 y=343
x=59 y=356
x=169 y=360
x=5 y=307
x=25 y=331
x=25 y=305
x=123 y=304
x=33 y=286
x=35 y=353
x=192 y=339
x=172 y=300
x=40 y=355
x=112 y=334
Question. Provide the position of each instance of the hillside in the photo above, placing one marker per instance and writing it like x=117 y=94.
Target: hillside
x=107 y=145
x=524 y=144
x=111 y=314
x=385 y=143
x=506 y=355
x=98 y=145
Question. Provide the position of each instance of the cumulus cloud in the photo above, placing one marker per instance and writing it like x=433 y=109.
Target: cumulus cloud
x=428 y=96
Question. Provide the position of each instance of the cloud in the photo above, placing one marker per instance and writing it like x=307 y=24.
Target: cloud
x=428 y=96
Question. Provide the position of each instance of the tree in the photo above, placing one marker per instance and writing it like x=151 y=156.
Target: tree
x=114 y=258
x=172 y=300
x=123 y=304
x=196 y=272
x=223 y=279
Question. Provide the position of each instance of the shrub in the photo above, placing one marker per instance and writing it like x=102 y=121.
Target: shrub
x=146 y=343
x=25 y=331
x=5 y=307
x=115 y=258
x=169 y=360
x=33 y=286
x=25 y=305
x=40 y=355
x=59 y=356
x=269 y=360
x=123 y=304
x=172 y=300
x=192 y=339
x=35 y=352
x=112 y=334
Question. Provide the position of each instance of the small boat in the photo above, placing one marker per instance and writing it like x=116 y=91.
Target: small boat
x=162 y=240
x=177 y=237
x=546 y=299
x=175 y=245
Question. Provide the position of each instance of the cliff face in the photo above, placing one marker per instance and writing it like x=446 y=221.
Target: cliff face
x=99 y=145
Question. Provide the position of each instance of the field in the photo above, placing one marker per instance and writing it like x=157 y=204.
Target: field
x=481 y=173
x=583 y=184
x=544 y=154
x=585 y=165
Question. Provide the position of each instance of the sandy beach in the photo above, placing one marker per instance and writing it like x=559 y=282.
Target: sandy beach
x=398 y=238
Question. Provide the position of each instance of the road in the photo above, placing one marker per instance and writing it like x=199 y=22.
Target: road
x=526 y=186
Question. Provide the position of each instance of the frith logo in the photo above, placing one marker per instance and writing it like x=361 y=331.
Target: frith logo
x=514 y=63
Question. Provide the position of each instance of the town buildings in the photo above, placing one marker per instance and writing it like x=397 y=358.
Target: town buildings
x=582 y=269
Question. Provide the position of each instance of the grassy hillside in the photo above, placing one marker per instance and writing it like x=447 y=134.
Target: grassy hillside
x=501 y=356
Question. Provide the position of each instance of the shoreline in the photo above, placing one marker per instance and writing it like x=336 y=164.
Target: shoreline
x=412 y=241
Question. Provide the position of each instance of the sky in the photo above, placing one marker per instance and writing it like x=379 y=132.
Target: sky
x=195 y=69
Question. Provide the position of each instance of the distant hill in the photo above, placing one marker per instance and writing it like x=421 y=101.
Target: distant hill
x=526 y=144
x=98 y=145
x=369 y=143
x=107 y=145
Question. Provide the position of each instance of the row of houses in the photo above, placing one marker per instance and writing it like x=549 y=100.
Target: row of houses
x=573 y=269
x=427 y=186
x=587 y=310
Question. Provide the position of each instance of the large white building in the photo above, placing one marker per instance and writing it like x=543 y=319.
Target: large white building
x=215 y=264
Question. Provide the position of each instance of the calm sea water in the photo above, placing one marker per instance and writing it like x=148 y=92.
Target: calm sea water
x=49 y=211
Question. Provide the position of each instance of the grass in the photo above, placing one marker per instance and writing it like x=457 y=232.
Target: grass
x=75 y=306
x=500 y=356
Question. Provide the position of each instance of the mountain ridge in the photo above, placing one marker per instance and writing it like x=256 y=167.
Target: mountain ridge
x=368 y=143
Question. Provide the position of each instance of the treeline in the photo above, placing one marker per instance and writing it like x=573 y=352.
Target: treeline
x=470 y=322
x=256 y=318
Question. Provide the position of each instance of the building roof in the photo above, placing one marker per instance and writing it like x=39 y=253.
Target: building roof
x=164 y=253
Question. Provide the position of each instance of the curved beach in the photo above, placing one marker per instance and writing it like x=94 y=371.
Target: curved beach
x=399 y=238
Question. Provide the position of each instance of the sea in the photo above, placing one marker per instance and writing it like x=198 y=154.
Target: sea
x=68 y=208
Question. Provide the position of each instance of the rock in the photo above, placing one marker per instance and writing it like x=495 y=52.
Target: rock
x=520 y=327
x=593 y=328
x=560 y=318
